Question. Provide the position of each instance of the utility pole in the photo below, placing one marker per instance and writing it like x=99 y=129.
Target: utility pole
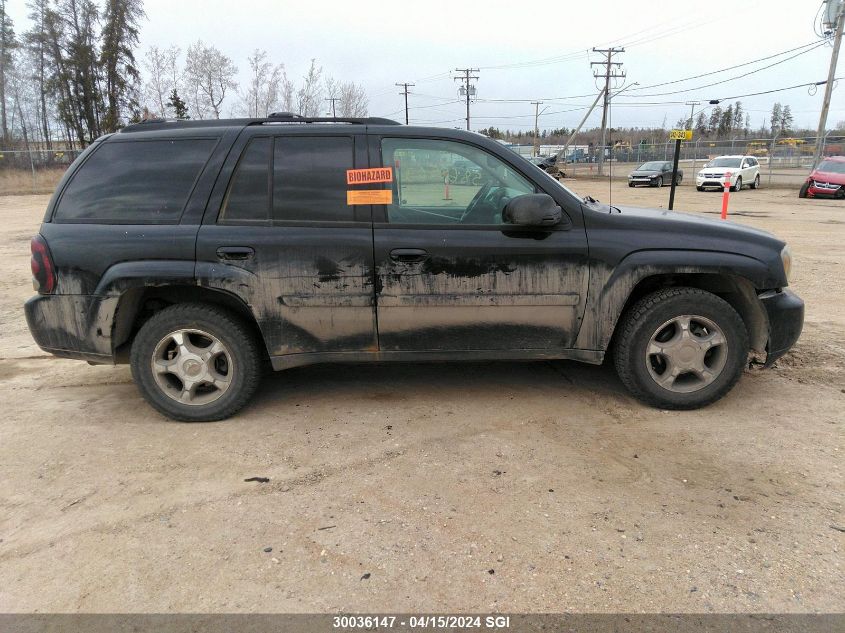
x=837 y=26
x=692 y=105
x=333 y=100
x=609 y=73
x=405 y=92
x=536 y=105
x=467 y=88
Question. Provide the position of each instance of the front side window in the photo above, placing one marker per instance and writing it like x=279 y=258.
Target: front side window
x=135 y=182
x=446 y=182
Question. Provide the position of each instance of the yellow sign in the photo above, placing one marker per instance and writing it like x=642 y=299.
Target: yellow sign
x=369 y=196
x=680 y=135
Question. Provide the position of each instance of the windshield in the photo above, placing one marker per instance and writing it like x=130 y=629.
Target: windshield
x=832 y=166
x=725 y=162
x=652 y=166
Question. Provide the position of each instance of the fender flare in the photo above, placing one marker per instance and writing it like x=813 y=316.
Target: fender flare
x=611 y=289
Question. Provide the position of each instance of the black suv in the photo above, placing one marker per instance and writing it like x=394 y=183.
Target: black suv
x=199 y=250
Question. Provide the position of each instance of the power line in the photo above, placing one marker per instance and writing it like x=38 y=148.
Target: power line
x=722 y=70
x=724 y=81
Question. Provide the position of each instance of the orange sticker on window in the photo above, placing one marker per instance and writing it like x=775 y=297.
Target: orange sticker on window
x=369 y=176
x=369 y=196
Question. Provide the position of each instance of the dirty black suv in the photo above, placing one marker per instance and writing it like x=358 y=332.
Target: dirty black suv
x=201 y=251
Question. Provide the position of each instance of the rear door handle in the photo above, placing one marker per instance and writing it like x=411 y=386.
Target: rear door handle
x=235 y=252
x=408 y=255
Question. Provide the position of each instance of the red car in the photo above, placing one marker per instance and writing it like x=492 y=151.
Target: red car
x=827 y=180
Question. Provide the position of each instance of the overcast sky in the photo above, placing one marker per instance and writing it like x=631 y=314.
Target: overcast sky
x=524 y=50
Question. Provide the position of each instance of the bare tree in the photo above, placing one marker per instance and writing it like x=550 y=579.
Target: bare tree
x=264 y=88
x=209 y=75
x=309 y=97
x=353 y=100
x=162 y=67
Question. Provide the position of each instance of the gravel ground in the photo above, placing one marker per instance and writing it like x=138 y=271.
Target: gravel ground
x=498 y=486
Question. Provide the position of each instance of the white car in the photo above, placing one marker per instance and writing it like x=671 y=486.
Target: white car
x=744 y=170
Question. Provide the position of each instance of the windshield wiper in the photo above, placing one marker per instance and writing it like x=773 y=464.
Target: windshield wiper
x=589 y=200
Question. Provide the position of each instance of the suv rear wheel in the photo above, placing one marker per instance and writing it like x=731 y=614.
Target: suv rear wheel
x=196 y=362
x=681 y=348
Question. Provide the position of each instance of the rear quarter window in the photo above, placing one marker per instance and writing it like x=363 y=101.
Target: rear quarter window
x=135 y=182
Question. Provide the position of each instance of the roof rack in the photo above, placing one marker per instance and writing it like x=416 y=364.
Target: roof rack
x=275 y=117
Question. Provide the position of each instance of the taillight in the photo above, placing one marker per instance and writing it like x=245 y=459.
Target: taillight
x=43 y=271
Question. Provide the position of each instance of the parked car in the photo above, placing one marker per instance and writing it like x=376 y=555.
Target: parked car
x=548 y=164
x=654 y=174
x=826 y=180
x=224 y=246
x=744 y=170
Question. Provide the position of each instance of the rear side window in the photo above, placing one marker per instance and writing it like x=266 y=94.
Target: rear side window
x=135 y=182
x=309 y=179
x=248 y=198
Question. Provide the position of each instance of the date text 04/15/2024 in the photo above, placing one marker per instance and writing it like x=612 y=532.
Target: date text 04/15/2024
x=370 y=622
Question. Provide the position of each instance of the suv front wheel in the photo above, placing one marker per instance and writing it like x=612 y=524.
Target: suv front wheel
x=196 y=362
x=681 y=348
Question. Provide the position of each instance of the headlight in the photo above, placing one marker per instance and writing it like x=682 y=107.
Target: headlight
x=786 y=258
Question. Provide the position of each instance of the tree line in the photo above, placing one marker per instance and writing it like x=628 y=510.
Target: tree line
x=74 y=75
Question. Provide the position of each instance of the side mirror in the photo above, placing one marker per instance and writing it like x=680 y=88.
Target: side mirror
x=532 y=209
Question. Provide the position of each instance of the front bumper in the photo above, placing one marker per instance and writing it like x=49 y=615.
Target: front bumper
x=642 y=180
x=828 y=191
x=713 y=182
x=785 y=310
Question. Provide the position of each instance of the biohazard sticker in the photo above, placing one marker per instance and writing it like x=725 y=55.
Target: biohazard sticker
x=369 y=176
x=369 y=196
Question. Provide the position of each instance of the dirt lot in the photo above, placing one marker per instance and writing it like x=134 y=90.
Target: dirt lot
x=510 y=487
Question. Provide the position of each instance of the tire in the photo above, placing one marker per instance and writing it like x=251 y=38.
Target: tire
x=699 y=188
x=226 y=376
x=802 y=193
x=643 y=328
x=659 y=182
x=738 y=185
x=756 y=183
x=679 y=180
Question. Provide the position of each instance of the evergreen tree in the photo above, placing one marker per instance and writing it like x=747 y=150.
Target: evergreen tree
x=786 y=120
x=7 y=46
x=120 y=37
x=701 y=124
x=775 y=119
x=179 y=107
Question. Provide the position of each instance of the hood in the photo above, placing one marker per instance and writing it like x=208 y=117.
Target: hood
x=828 y=176
x=711 y=234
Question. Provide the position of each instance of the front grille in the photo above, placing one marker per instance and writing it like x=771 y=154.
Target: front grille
x=825 y=185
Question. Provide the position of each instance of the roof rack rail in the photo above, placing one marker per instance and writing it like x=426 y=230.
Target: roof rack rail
x=151 y=125
x=274 y=117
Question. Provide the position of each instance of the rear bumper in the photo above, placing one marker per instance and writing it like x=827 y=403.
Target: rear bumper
x=72 y=326
x=785 y=310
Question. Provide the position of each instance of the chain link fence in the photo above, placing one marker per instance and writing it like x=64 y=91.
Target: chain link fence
x=784 y=160
x=35 y=170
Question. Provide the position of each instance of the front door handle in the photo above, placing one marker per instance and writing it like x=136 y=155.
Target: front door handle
x=408 y=255
x=235 y=252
